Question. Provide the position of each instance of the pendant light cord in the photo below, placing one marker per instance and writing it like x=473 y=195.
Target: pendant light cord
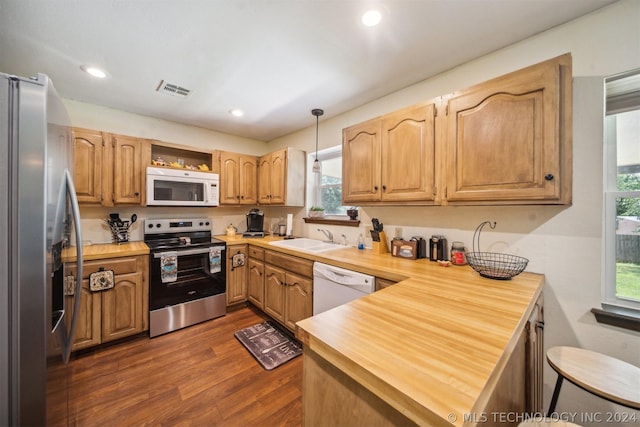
x=317 y=121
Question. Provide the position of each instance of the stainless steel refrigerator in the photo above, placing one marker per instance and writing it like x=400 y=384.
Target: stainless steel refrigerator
x=38 y=214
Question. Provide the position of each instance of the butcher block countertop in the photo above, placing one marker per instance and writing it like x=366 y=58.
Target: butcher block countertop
x=106 y=250
x=433 y=345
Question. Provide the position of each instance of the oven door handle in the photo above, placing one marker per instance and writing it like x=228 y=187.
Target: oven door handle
x=183 y=252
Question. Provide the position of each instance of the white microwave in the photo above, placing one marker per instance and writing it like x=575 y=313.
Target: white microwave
x=182 y=187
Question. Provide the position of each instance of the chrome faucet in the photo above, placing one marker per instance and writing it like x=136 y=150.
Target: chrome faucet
x=328 y=234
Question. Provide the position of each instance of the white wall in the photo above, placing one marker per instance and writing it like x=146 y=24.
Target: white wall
x=564 y=243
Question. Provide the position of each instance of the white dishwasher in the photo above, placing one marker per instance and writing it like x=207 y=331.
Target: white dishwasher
x=334 y=286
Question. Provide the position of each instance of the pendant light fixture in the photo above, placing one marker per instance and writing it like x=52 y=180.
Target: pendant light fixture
x=317 y=168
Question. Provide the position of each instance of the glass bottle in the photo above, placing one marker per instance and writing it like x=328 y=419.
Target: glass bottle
x=457 y=253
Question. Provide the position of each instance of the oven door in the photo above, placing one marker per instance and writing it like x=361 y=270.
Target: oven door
x=201 y=273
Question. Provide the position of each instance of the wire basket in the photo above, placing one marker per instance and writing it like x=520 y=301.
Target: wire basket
x=494 y=265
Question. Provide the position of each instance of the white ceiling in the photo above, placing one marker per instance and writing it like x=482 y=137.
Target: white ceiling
x=275 y=59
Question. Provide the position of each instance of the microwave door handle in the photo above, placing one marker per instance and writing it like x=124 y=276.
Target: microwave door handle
x=75 y=212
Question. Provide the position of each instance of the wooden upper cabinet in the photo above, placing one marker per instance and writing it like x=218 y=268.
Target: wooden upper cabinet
x=88 y=148
x=127 y=169
x=238 y=178
x=108 y=168
x=281 y=177
x=408 y=154
x=264 y=180
x=391 y=158
x=361 y=162
x=278 y=176
x=248 y=180
x=509 y=139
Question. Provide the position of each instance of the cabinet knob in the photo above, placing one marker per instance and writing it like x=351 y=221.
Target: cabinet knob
x=384 y=188
x=136 y=194
x=549 y=177
x=375 y=187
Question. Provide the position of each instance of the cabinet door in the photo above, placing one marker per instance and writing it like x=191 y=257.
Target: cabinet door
x=88 y=146
x=299 y=300
x=274 y=292
x=122 y=307
x=509 y=139
x=264 y=180
x=408 y=154
x=88 y=325
x=127 y=170
x=255 y=291
x=361 y=163
x=248 y=180
x=229 y=178
x=278 y=177
x=236 y=276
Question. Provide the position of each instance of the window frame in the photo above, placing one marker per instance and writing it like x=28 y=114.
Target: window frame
x=610 y=301
x=315 y=193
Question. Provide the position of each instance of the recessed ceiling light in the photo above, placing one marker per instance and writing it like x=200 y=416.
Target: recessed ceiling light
x=371 y=18
x=95 y=72
x=236 y=112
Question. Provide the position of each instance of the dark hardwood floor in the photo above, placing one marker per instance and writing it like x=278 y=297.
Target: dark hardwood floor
x=198 y=376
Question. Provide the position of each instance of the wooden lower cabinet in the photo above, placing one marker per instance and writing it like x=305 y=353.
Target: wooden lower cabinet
x=288 y=288
x=236 y=274
x=274 y=292
x=114 y=313
x=255 y=282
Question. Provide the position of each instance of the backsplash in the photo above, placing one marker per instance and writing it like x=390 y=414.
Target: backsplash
x=95 y=230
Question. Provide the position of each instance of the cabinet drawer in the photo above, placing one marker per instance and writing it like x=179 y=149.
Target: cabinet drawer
x=118 y=265
x=256 y=252
x=294 y=264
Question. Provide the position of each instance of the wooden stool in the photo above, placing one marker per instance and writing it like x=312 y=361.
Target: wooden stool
x=604 y=376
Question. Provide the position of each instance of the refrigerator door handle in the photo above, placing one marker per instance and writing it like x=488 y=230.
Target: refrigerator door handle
x=75 y=211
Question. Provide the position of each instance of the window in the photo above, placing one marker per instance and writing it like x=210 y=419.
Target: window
x=326 y=187
x=622 y=191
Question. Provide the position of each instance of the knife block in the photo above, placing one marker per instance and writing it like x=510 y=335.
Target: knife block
x=381 y=247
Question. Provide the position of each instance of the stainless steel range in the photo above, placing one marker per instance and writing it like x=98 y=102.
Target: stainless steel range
x=187 y=277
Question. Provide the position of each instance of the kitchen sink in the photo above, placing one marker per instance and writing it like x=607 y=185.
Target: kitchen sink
x=306 y=244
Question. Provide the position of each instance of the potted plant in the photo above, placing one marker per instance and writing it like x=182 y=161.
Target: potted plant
x=316 y=211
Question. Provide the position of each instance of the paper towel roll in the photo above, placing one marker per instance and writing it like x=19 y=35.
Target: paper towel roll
x=289 y=224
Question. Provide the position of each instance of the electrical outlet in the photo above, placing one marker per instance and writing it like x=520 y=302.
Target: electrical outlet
x=397 y=232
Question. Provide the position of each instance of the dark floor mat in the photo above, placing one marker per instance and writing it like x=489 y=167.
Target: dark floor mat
x=269 y=344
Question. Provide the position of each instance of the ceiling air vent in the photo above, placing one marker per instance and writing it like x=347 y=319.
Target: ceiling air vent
x=173 y=90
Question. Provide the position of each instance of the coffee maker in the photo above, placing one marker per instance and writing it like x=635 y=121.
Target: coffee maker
x=255 y=224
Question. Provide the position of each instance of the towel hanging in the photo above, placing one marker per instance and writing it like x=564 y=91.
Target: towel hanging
x=215 y=260
x=169 y=266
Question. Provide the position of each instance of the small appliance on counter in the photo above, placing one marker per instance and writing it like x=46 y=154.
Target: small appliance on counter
x=438 y=248
x=255 y=224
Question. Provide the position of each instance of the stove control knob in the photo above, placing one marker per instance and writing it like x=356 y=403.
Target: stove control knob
x=206 y=223
x=158 y=225
x=150 y=226
x=201 y=223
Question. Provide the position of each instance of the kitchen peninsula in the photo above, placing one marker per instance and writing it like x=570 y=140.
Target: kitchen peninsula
x=443 y=346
